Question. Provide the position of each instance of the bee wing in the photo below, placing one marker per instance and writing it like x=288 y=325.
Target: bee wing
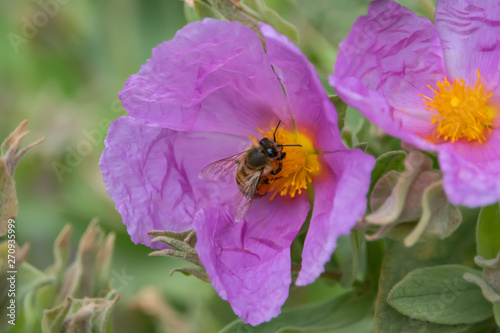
x=224 y=169
x=242 y=202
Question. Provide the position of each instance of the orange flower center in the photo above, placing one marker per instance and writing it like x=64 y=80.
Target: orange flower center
x=461 y=112
x=299 y=164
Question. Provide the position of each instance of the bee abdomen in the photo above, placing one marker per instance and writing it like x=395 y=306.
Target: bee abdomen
x=241 y=180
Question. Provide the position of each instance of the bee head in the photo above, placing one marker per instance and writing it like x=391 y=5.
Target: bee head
x=271 y=148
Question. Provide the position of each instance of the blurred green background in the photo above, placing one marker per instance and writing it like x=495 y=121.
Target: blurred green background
x=63 y=76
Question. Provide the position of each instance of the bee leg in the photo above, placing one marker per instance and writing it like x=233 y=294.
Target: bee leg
x=274 y=173
x=281 y=157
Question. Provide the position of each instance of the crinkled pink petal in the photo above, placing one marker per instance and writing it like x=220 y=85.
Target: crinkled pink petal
x=471 y=171
x=189 y=103
x=313 y=112
x=470 y=35
x=389 y=59
x=152 y=175
x=249 y=262
x=339 y=201
x=341 y=191
x=212 y=76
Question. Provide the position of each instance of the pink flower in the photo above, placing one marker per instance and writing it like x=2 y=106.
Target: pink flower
x=434 y=86
x=198 y=100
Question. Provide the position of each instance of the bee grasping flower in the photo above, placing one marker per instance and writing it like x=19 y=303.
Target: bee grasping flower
x=266 y=167
x=434 y=86
x=211 y=99
x=297 y=169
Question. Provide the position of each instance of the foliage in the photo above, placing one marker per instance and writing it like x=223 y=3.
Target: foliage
x=67 y=296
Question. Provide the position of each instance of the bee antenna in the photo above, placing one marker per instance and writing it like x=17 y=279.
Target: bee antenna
x=289 y=145
x=274 y=134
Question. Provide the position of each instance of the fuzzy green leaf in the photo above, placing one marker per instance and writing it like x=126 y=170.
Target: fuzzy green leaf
x=9 y=157
x=391 y=193
x=488 y=231
x=190 y=13
x=226 y=9
x=338 y=312
x=496 y=312
x=200 y=273
x=8 y=198
x=393 y=160
x=190 y=257
x=203 y=10
x=439 y=217
x=399 y=261
x=80 y=315
x=350 y=266
x=174 y=243
x=272 y=18
x=361 y=145
x=30 y=278
x=488 y=291
x=53 y=319
x=341 y=108
x=440 y=295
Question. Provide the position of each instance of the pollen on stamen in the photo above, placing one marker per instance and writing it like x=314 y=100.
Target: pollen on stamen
x=297 y=167
x=461 y=112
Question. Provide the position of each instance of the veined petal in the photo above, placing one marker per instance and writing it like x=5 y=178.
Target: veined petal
x=152 y=175
x=339 y=201
x=471 y=171
x=470 y=35
x=212 y=76
x=389 y=58
x=313 y=112
x=249 y=262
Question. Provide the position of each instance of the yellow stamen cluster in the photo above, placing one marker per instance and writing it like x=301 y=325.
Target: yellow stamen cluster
x=461 y=112
x=299 y=164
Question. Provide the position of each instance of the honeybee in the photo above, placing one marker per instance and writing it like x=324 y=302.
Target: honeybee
x=250 y=169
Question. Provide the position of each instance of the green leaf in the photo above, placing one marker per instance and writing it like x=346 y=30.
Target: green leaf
x=486 y=326
x=363 y=326
x=496 y=312
x=341 y=108
x=80 y=315
x=396 y=196
x=190 y=257
x=426 y=8
x=400 y=260
x=393 y=160
x=488 y=291
x=8 y=198
x=9 y=157
x=350 y=267
x=374 y=257
x=361 y=145
x=360 y=132
x=488 y=231
x=199 y=273
x=30 y=278
x=53 y=319
x=226 y=9
x=338 y=312
x=439 y=217
x=440 y=295
x=190 y=13
x=272 y=18
x=203 y=10
x=174 y=243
